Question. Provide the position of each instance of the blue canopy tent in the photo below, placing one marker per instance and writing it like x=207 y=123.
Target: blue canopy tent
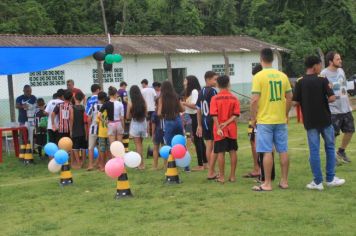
x=16 y=60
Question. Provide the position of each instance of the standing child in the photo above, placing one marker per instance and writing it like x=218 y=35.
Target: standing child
x=169 y=108
x=157 y=136
x=78 y=130
x=115 y=113
x=205 y=122
x=255 y=173
x=57 y=98
x=225 y=108
x=91 y=113
x=137 y=111
x=103 y=139
x=192 y=88
x=41 y=126
x=62 y=111
x=122 y=96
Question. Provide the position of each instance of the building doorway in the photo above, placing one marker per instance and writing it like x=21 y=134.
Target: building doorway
x=178 y=75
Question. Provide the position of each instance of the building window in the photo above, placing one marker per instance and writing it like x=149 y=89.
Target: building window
x=254 y=64
x=47 y=78
x=220 y=69
x=114 y=76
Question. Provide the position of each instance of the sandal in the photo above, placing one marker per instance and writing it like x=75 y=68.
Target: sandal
x=251 y=175
x=212 y=178
x=219 y=181
x=259 y=189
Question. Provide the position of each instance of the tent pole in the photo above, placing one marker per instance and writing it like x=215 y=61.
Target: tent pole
x=10 y=86
x=100 y=74
x=226 y=63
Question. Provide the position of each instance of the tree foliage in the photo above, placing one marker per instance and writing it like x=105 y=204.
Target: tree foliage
x=302 y=26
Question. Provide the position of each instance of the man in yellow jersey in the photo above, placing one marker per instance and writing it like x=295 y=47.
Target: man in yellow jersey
x=270 y=104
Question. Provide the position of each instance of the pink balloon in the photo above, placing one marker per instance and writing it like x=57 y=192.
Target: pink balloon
x=178 y=151
x=114 y=167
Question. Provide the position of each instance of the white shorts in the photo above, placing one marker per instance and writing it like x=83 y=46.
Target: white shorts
x=115 y=128
x=138 y=129
x=92 y=141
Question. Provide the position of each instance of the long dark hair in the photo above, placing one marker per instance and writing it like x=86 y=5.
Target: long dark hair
x=192 y=83
x=139 y=108
x=170 y=101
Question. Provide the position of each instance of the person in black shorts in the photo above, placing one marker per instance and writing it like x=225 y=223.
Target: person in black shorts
x=341 y=111
x=205 y=122
x=225 y=109
x=78 y=131
x=40 y=126
x=157 y=137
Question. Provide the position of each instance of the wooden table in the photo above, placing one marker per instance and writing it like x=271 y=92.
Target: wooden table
x=15 y=137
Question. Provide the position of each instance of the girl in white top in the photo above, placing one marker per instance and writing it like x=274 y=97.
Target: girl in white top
x=192 y=88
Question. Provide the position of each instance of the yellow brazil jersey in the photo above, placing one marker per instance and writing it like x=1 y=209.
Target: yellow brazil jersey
x=272 y=86
x=103 y=125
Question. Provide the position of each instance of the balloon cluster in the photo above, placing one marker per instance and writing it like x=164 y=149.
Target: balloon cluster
x=177 y=150
x=108 y=57
x=115 y=167
x=60 y=153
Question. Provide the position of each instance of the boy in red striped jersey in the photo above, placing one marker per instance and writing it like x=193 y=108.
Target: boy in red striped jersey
x=63 y=111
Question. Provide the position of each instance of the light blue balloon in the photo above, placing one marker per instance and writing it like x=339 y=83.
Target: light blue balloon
x=61 y=157
x=178 y=139
x=185 y=161
x=50 y=149
x=165 y=151
x=96 y=153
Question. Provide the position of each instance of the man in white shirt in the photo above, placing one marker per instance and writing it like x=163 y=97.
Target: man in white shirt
x=57 y=99
x=341 y=111
x=149 y=94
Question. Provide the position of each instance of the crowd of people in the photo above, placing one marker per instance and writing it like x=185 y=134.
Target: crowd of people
x=208 y=113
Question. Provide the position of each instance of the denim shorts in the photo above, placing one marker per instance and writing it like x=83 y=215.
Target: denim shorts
x=268 y=135
x=138 y=129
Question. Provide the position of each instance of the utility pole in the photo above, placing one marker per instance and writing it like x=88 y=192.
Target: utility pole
x=99 y=63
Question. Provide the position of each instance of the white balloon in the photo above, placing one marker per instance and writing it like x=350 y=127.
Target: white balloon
x=132 y=159
x=53 y=166
x=117 y=149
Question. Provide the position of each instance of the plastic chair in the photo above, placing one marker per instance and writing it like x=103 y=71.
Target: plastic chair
x=8 y=141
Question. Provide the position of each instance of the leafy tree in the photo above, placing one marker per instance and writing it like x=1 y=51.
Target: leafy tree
x=219 y=17
x=74 y=16
x=28 y=17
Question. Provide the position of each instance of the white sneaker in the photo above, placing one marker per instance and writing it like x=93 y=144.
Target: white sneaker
x=313 y=185
x=336 y=182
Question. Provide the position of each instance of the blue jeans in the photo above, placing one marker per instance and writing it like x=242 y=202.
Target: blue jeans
x=314 y=148
x=172 y=128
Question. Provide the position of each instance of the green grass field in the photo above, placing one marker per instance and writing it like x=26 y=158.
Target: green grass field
x=32 y=202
